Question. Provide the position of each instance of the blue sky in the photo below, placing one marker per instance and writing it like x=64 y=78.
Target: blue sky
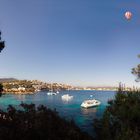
x=78 y=42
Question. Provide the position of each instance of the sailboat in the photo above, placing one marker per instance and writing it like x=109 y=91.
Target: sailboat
x=51 y=92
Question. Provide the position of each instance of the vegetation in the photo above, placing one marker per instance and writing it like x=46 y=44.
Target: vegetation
x=136 y=71
x=2 y=44
x=121 y=119
x=18 y=86
x=41 y=123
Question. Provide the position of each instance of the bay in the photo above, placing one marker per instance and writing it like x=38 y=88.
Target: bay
x=67 y=109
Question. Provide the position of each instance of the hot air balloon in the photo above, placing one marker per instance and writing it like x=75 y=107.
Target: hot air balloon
x=128 y=15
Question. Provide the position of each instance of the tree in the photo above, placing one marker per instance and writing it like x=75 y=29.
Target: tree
x=121 y=118
x=37 y=123
x=2 y=44
x=136 y=71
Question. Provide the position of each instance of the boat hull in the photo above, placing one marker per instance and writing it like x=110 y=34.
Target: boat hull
x=67 y=97
x=51 y=93
x=90 y=103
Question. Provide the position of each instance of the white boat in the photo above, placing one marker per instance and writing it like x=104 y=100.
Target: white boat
x=90 y=103
x=51 y=93
x=66 y=97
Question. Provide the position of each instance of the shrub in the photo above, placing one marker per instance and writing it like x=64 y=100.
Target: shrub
x=41 y=123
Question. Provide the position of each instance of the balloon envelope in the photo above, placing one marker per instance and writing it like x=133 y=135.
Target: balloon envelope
x=128 y=15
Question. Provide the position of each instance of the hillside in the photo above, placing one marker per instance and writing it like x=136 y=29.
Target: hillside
x=7 y=79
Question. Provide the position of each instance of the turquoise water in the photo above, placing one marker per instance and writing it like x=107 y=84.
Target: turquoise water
x=67 y=109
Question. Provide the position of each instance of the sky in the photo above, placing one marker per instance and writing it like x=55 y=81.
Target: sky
x=77 y=42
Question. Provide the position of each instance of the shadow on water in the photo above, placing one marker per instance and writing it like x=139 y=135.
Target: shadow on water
x=88 y=111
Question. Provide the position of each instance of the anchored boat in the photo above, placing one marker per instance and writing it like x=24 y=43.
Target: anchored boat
x=51 y=93
x=67 y=97
x=90 y=103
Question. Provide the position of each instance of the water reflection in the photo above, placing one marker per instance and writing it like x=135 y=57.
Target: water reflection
x=21 y=97
x=87 y=111
x=66 y=101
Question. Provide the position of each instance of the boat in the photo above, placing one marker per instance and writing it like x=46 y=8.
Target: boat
x=90 y=103
x=51 y=93
x=66 y=97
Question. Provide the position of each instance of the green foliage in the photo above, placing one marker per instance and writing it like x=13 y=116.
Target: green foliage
x=136 y=71
x=121 y=119
x=38 y=123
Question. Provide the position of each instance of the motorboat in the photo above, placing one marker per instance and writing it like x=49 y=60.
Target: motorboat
x=66 y=97
x=90 y=103
x=51 y=93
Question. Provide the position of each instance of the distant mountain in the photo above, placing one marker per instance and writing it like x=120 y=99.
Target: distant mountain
x=7 y=79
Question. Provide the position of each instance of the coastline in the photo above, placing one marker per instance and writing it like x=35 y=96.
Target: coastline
x=18 y=93
x=34 y=92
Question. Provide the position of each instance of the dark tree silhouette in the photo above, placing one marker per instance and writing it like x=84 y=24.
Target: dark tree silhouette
x=136 y=71
x=41 y=123
x=2 y=43
x=121 y=118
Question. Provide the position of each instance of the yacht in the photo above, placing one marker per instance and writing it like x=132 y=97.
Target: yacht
x=90 y=103
x=67 y=97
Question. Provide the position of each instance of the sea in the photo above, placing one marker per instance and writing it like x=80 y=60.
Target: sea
x=68 y=109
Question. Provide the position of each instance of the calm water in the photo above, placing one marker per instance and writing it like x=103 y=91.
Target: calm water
x=67 y=109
